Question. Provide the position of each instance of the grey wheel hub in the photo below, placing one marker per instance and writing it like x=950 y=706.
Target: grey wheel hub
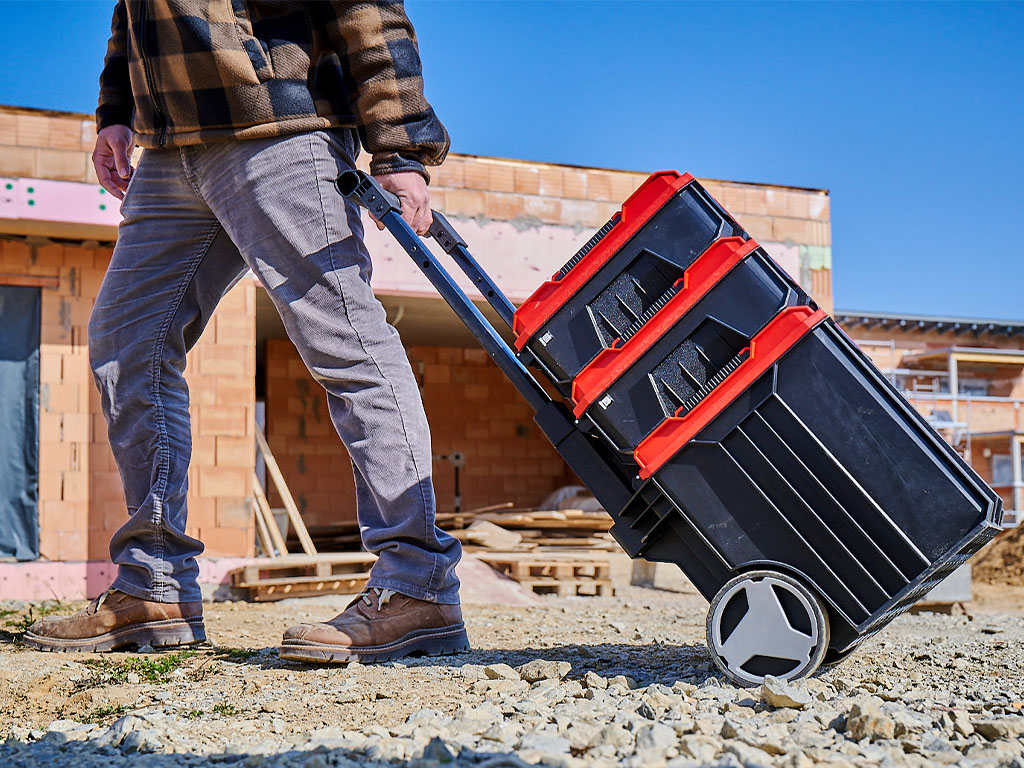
x=764 y=623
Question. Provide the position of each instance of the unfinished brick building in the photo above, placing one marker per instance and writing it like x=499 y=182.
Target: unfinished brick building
x=521 y=219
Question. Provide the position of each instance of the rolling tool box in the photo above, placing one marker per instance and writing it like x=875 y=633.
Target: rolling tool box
x=728 y=426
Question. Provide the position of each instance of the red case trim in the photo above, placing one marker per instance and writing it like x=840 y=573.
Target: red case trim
x=549 y=297
x=770 y=344
x=699 y=278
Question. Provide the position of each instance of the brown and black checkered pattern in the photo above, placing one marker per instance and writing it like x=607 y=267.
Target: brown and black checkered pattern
x=186 y=72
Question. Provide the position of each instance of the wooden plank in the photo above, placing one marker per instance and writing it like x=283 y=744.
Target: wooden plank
x=487 y=534
x=346 y=586
x=262 y=532
x=564 y=588
x=268 y=517
x=286 y=497
x=303 y=580
x=492 y=508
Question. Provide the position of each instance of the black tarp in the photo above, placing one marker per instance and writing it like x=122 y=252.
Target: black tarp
x=19 y=422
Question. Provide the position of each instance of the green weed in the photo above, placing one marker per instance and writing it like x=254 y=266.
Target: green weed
x=155 y=670
x=236 y=654
x=106 y=713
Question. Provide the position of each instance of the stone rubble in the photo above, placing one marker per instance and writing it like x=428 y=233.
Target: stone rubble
x=563 y=684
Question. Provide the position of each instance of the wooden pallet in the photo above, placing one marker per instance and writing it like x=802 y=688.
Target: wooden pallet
x=554 y=573
x=564 y=588
x=343 y=573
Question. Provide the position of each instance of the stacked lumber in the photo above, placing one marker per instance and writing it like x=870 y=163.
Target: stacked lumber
x=505 y=530
x=548 y=529
x=562 y=574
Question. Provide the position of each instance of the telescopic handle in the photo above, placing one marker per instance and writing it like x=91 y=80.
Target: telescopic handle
x=365 y=190
x=368 y=192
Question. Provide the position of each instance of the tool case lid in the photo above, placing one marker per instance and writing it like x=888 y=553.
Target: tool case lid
x=699 y=278
x=770 y=344
x=657 y=190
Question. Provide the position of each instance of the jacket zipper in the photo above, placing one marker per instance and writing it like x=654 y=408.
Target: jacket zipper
x=161 y=118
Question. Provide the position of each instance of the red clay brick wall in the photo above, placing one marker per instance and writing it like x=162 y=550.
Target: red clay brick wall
x=81 y=502
x=471 y=407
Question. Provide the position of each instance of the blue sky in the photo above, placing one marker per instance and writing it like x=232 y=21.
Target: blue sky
x=912 y=114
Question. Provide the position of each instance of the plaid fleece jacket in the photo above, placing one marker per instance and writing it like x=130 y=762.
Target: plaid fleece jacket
x=183 y=72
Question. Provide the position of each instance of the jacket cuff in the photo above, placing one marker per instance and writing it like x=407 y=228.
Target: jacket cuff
x=392 y=162
x=109 y=114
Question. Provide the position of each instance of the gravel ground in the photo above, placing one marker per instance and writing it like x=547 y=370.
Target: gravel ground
x=575 y=681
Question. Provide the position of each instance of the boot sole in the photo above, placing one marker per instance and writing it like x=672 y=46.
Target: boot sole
x=425 y=642
x=166 y=633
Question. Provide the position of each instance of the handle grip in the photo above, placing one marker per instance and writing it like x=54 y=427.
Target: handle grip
x=368 y=192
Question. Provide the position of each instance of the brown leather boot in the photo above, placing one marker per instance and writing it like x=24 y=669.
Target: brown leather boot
x=114 y=620
x=379 y=625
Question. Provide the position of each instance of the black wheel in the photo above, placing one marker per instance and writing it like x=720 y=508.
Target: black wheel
x=834 y=658
x=766 y=623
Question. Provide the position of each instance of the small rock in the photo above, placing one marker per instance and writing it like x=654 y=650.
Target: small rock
x=616 y=735
x=700 y=748
x=867 y=721
x=594 y=680
x=583 y=736
x=545 y=742
x=541 y=669
x=655 y=736
x=437 y=750
x=962 y=723
x=500 y=672
x=622 y=681
x=751 y=757
x=779 y=693
x=1001 y=728
x=473 y=672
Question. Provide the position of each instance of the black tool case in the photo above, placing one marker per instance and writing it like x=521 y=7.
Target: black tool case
x=792 y=483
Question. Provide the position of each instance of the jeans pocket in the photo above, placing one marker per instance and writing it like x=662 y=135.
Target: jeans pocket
x=344 y=144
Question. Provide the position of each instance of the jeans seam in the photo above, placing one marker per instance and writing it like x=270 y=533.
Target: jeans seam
x=369 y=355
x=156 y=378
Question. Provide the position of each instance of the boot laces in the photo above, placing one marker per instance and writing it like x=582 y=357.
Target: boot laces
x=94 y=606
x=383 y=597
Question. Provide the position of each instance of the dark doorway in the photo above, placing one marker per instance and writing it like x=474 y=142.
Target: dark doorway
x=19 y=422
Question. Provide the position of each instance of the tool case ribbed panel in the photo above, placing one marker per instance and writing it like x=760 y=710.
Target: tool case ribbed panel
x=693 y=344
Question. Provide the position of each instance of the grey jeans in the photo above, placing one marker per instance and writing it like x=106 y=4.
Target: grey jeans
x=195 y=219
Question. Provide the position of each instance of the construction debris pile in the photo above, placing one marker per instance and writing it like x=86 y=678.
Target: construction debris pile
x=1002 y=561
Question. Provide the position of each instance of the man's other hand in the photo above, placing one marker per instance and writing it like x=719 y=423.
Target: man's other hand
x=112 y=158
x=411 y=189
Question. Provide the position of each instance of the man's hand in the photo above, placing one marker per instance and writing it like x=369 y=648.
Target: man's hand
x=112 y=158
x=411 y=189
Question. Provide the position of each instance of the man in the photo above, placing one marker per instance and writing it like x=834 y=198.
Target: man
x=248 y=111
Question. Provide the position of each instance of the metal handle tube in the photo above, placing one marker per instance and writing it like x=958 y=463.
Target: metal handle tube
x=444 y=234
x=357 y=186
